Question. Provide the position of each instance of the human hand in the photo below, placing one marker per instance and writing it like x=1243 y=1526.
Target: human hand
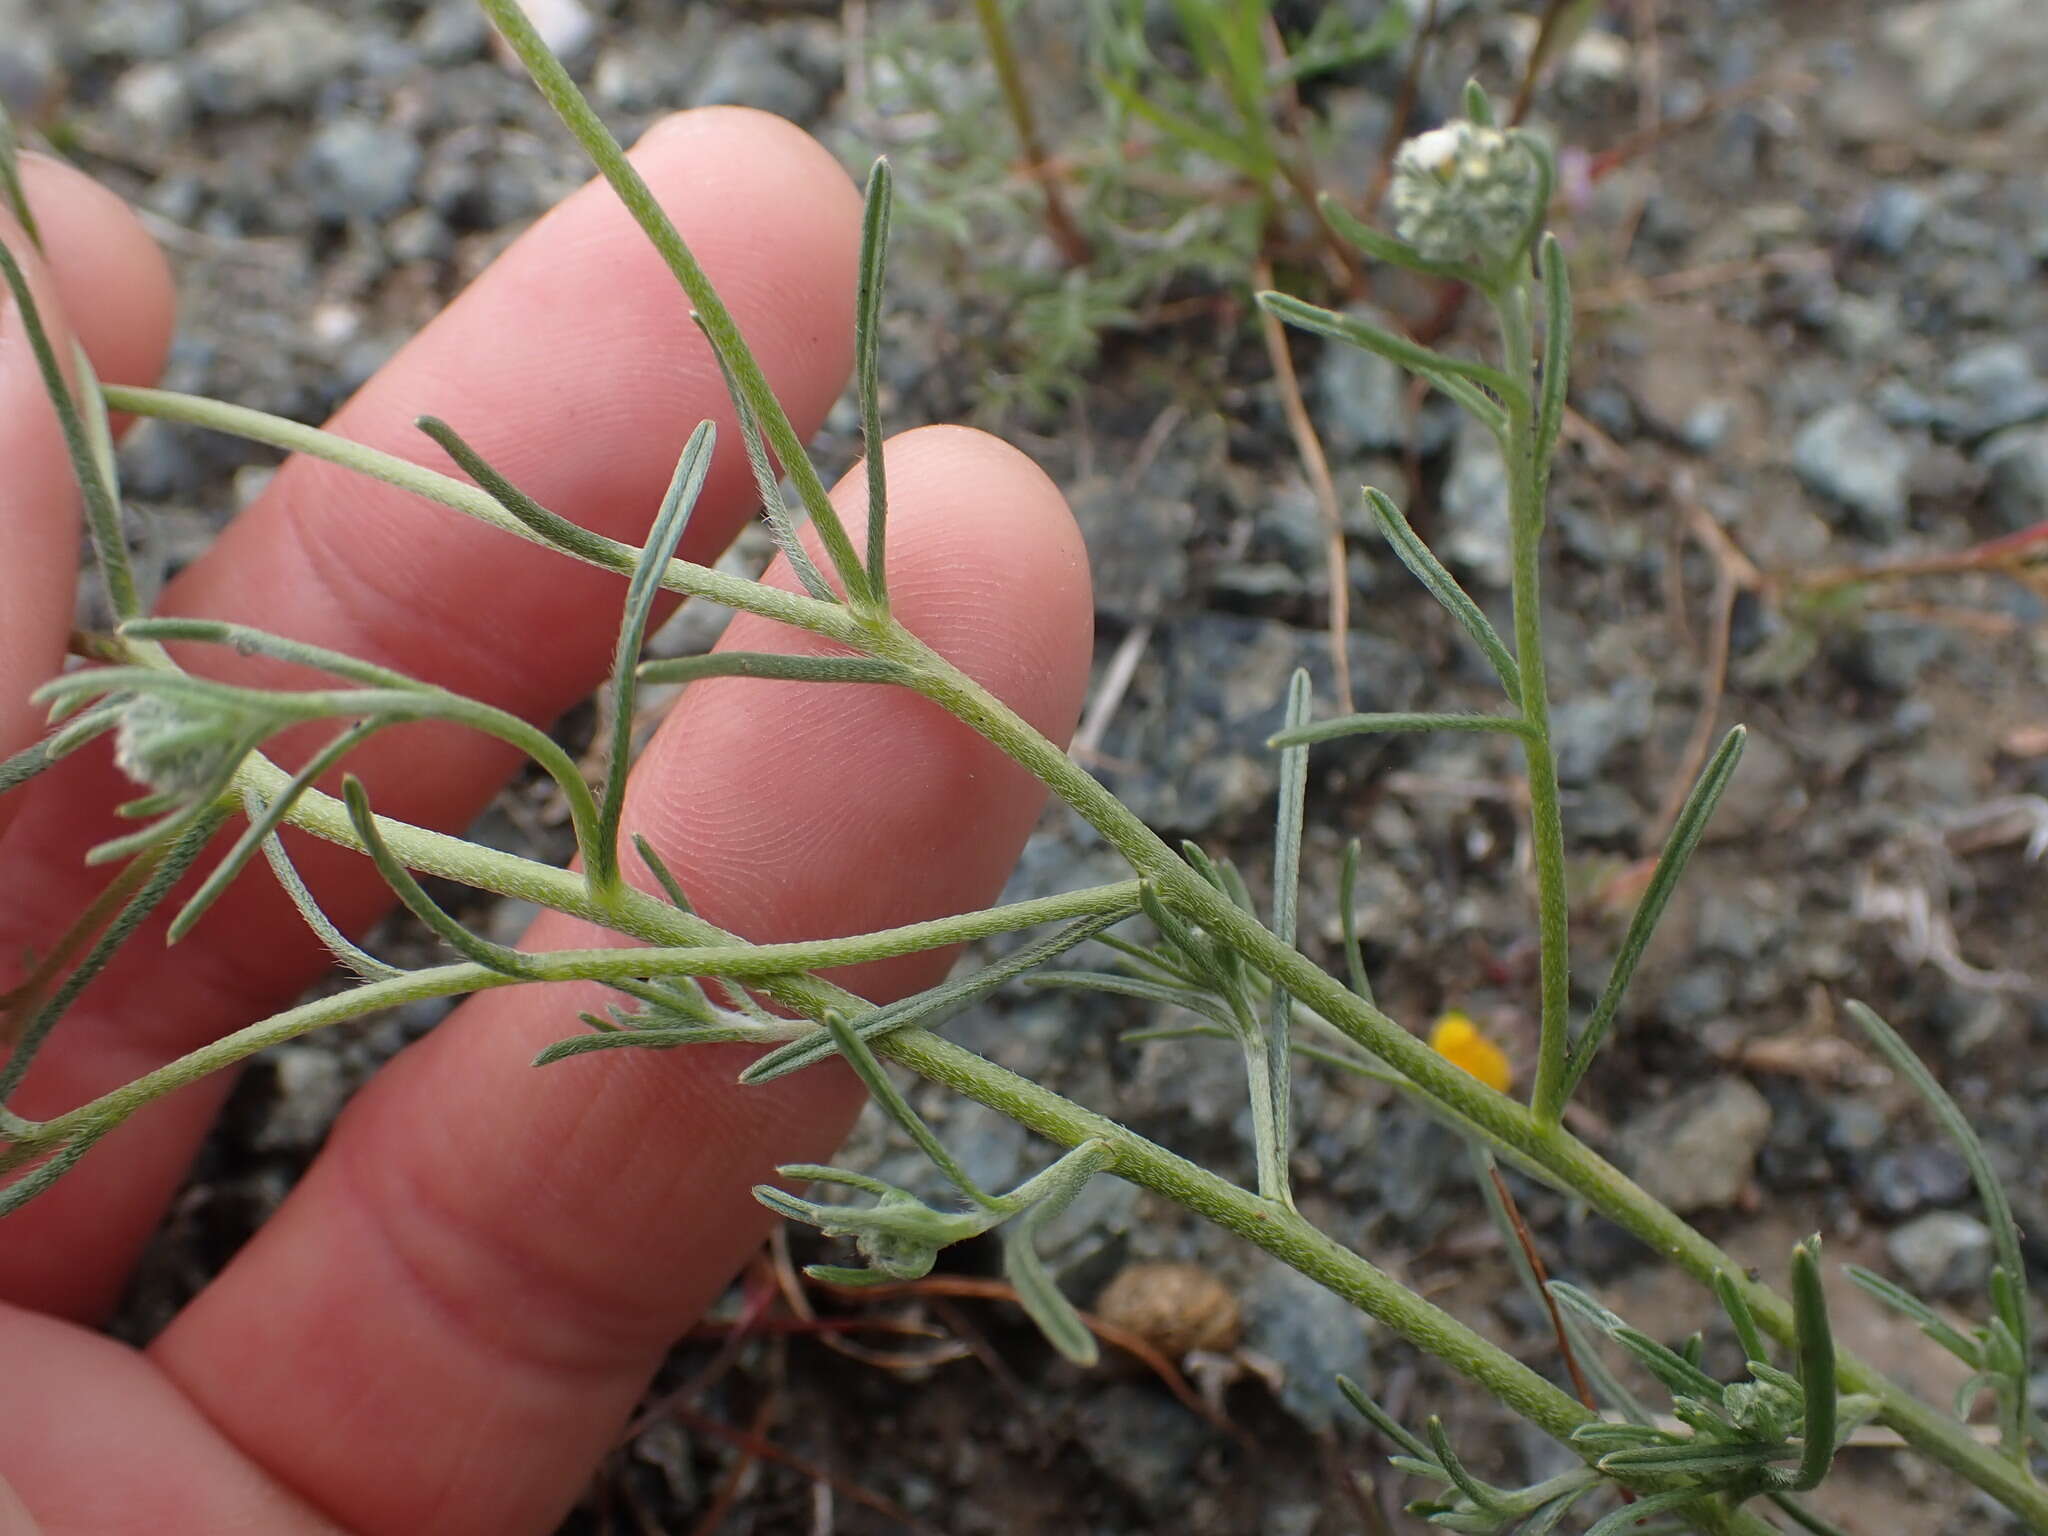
x=445 y=1325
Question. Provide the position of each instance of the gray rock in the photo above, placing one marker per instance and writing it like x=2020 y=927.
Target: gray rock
x=1851 y=457
x=1890 y=651
x=310 y=1086
x=1699 y=1150
x=1360 y=399
x=1212 y=688
x=1475 y=508
x=1900 y=1183
x=566 y=26
x=747 y=69
x=1144 y=1440
x=1891 y=218
x=1696 y=996
x=1943 y=1253
x=137 y=29
x=1589 y=728
x=1706 y=425
x=2015 y=462
x=354 y=168
x=1313 y=1336
x=418 y=234
x=275 y=57
x=1974 y=62
x=1989 y=373
x=453 y=31
x=154 y=98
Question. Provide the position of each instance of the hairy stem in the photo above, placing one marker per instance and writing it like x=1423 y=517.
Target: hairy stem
x=1546 y=822
x=1545 y=1146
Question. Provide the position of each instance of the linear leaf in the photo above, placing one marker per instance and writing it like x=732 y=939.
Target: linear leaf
x=932 y=1006
x=1679 y=847
x=1428 y=570
x=1381 y=724
x=601 y=859
x=867 y=326
x=773 y=667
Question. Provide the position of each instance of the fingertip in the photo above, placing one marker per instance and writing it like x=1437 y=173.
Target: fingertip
x=109 y=275
x=988 y=565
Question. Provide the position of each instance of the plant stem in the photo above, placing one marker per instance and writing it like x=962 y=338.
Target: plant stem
x=1546 y=821
x=1002 y=52
x=1512 y=1127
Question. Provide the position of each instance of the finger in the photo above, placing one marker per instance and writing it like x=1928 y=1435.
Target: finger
x=150 y=1463
x=97 y=264
x=573 y=365
x=486 y=1263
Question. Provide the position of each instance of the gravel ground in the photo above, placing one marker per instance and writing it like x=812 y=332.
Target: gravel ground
x=1815 y=337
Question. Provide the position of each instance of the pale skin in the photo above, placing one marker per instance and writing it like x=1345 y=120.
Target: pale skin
x=449 y=1320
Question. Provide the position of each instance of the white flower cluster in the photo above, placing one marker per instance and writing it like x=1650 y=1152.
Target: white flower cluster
x=1463 y=193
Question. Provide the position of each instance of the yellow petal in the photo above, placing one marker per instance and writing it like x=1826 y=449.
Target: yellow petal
x=1458 y=1040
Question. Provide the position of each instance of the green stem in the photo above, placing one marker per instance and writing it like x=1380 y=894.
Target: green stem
x=1282 y=1232
x=1512 y=1127
x=1546 y=820
x=683 y=576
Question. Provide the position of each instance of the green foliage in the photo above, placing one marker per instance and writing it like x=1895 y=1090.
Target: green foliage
x=1184 y=154
x=1206 y=94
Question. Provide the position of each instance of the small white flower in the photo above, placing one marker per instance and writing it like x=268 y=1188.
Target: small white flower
x=1463 y=193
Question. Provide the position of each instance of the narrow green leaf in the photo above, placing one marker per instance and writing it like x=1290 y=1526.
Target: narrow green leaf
x=1037 y=1292
x=1381 y=724
x=10 y=180
x=1736 y=1305
x=767 y=484
x=855 y=1052
x=601 y=858
x=1138 y=987
x=1428 y=570
x=1384 y=247
x=1347 y=905
x=1388 y=1427
x=1478 y=105
x=631 y=1039
x=1292 y=809
x=24 y=1189
x=1896 y=1296
x=1628 y=1515
x=658 y=867
x=1487 y=1499
x=171 y=866
x=550 y=527
x=1549 y=1517
x=773 y=667
x=743 y=370
x=1693 y=1458
x=874 y=252
x=932 y=1006
x=102 y=505
x=1686 y=833
x=2005 y=1232
x=1552 y=271
x=1462 y=380
x=263 y=824
x=1816 y=1345
x=1803 y=1517
x=338 y=944
x=1199 y=137
x=494 y=957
